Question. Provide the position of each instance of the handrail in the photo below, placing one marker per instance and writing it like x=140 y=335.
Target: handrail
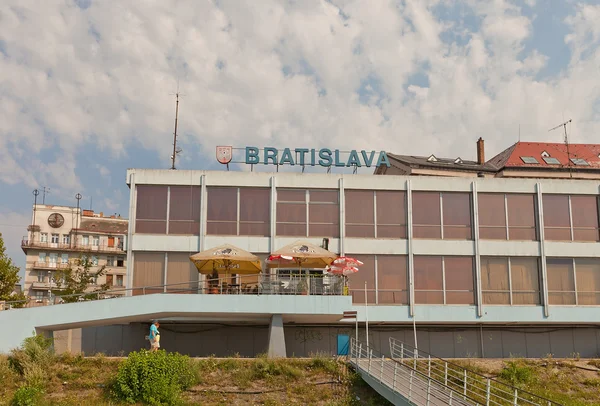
x=264 y=284
x=483 y=389
x=411 y=383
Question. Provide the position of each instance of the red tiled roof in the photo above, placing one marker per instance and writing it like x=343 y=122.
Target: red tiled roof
x=511 y=157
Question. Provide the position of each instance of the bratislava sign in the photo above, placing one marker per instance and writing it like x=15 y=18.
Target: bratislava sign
x=312 y=157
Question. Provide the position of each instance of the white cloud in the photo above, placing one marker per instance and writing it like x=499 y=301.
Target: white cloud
x=277 y=73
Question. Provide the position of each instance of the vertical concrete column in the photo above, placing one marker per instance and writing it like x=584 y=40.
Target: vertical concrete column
x=540 y=225
x=411 y=267
x=130 y=231
x=475 y=204
x=342 y=211
x=273 y=224
x=276 y=338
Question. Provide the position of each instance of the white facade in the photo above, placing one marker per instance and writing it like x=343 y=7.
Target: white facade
x=60 y=235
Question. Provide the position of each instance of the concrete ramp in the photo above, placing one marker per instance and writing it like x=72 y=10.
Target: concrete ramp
x=399 y=383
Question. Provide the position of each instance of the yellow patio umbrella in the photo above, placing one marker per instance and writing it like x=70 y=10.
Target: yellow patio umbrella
x=226 y=259
x=304 y=254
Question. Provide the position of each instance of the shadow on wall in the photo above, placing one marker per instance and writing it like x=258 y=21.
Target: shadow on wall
x=203 y=340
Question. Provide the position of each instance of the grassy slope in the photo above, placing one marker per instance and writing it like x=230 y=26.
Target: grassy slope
x=232 y=381
x=235 y=381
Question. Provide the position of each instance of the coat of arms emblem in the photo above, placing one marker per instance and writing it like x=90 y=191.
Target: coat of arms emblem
x=224 y=154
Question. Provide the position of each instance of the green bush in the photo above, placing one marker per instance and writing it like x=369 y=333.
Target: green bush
x=154 y=378
x=516 y=373
x=27 y=396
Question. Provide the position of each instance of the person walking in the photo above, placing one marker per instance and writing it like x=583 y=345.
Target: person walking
x=154 y=336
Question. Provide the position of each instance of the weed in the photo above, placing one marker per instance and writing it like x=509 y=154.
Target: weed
x=516 y=372
x=595 y=383
x=27 y=396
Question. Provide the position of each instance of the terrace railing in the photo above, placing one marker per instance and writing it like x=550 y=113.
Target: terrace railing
x=258 y=284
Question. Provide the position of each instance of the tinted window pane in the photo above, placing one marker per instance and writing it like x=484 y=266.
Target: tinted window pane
x=588 y=281
x=184 y=210
x=392 y=279
x=151 y=209
x=291 y=195
x=222 y=211
x=521 y=217
x=291 y=212
x=525 y=281
x=324 y=196
x=556 y=217
x=359 y=207
x=255 y=204
x=356 y=281
x=561 y=284
x=459 y=280
x=426 y=215
x=391 y=214
x=428 y=280
x=292 y=230
x=585 y=218
x=494 y=280
x=457 y=215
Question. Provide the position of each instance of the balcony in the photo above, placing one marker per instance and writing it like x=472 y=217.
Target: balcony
x=43 y=285
x=49 y=265
x=50 y=246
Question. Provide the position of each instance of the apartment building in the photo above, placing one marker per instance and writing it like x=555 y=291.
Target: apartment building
x=59 y=236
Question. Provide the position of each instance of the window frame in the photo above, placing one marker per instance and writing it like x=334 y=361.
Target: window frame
x=442 y=225
x=307 y=204
x=238 y=221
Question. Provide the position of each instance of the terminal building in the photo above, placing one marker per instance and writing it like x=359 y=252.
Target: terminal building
x=492 y=258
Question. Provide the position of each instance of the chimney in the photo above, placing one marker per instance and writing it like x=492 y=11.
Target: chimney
x=480 y=152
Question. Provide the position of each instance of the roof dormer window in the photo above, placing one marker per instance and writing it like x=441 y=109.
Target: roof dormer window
x=432 y=158
x=458 y=161
x=545 y=154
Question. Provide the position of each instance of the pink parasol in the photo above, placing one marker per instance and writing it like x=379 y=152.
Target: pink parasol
x=280 y=260
x=341 y=270
x=346 y=262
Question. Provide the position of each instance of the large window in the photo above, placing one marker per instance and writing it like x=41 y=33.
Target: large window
x=238 y=211
x=313 y=213
x=392 y=279
x=573 y=281
x=510 y=281
x=151 y=209
x=442 y=215
x=571 y=218
x=182 y=275
x=184 y=210
x=444 y=280
x=148 y=272
x=507 y=216
x=375 y=214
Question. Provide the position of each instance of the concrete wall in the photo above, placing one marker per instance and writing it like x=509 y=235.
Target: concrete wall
x=203 y=340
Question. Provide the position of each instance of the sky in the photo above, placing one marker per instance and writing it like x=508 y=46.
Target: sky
x=87 y=86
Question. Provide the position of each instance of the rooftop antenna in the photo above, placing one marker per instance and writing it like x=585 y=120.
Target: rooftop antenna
x=176 y=150
x=564 y=126
x=45 y=191
x=519 y=132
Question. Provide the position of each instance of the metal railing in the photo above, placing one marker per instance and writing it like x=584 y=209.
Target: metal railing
x=257 y=284
x=73 y=246
x=461 y=381
x=403 y=379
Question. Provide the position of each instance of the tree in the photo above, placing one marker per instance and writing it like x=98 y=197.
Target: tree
x=9 y=277
x=74 y=282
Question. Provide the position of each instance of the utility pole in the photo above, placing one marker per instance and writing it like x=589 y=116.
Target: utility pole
x=564 y=126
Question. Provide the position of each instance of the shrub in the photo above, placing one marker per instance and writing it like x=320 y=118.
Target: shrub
x=154 y=377
x=26 y=396
x=516 y=373
x=35 y=350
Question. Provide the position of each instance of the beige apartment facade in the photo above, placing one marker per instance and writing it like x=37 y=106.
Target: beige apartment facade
x=60 y=236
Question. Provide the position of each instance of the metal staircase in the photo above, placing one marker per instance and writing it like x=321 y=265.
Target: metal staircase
x=412 y=377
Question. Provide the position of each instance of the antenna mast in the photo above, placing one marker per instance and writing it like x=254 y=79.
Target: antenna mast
x=175 y=151
x=564 y=126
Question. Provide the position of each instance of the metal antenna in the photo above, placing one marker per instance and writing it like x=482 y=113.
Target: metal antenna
x=45 y=191
x=78 y=198
x=176 y=150
x=35 y=195
x=564 y=126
